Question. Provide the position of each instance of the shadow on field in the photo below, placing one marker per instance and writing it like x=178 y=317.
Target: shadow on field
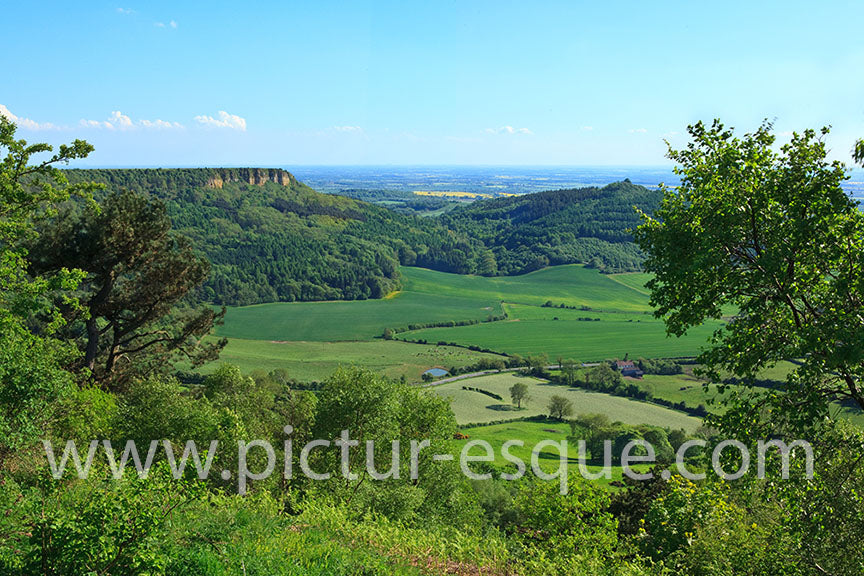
x=502 y=408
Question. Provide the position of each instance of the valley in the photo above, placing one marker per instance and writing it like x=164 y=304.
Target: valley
x=616 y=321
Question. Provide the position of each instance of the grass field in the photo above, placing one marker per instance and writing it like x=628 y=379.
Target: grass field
x=531 y=312
x=634 y=280
x=532 y=433
x=315 y=361
x=284 y=335
x=345 y=321
x=573 y=285
x=585 y=341
x=474 y=407
x=619 y=302
x=428 y=297
x=678 y=388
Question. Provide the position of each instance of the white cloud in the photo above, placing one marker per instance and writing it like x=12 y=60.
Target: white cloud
x=126 y=11
x=120 y=121
x=588 y=128
x=26 y=123
x=94 y=124
x=160 y=124
x=348 y=128
x=508 y=130
x=638 y=131
x=224 y=120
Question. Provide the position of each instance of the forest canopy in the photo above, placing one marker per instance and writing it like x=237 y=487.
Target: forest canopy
x=270 y=238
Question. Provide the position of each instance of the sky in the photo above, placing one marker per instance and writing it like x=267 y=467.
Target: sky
x=446 y=82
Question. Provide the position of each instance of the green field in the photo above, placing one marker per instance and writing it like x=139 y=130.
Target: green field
x=585 y=341
x=619 y=302
x=427 y=297
x=678 y=388
x=532 y=433
x=530 y=312
x=293 y=335
x=315 y=361
x=573 y=285
x=474 y=407
x=355 y=320
x=688 y=389
x=634 y=280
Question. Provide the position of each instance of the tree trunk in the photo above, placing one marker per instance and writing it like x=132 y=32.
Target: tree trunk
x=92 y=343
x=93 y=332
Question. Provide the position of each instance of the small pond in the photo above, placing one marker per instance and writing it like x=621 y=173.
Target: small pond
x=436 y=372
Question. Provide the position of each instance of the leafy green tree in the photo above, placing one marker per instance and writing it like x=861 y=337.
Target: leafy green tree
x=139 y=274
x=576 y=523
x=771 y=237
x=707 y=529
x=677 y=437
x=102 y=526
x=374 y=409
x=519 y=394
x=602 y=377
x=568 y=369
x=32 y=379
x=157 y=408
x=488 y=265
x=560 y=407
x=659 y=440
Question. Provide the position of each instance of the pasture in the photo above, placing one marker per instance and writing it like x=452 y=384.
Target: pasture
x=354 y=320
x=315 y=361
x=311 y=339
x=633 y=280
x=532 y=433
x=573 y=285
x=472 y=407
x=584 y=341
x=428 y=297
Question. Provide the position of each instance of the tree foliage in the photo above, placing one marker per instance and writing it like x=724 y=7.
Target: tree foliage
x=32 y=378
x=139 y=274
x=519 y=394
x=560 y=407
x=770 y=238
x=269 y=241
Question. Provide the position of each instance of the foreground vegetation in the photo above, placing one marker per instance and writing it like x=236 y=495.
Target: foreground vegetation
x=82 y=357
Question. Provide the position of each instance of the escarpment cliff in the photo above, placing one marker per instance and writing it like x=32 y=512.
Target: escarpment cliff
x=252 y=176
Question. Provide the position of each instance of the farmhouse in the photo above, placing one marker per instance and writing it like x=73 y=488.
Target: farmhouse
x=628 y=368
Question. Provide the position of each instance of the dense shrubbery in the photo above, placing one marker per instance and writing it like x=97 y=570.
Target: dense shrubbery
x=390 y=332
x=659 y=366
x=486 y=392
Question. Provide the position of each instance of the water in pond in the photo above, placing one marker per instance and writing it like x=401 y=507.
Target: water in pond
x=436 y=372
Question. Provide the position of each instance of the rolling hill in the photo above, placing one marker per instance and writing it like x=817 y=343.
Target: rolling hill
x=270 y=238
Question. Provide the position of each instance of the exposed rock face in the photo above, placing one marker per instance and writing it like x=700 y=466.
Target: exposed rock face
x=252 y=176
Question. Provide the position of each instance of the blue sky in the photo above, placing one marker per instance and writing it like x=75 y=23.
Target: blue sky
x=447 y=82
